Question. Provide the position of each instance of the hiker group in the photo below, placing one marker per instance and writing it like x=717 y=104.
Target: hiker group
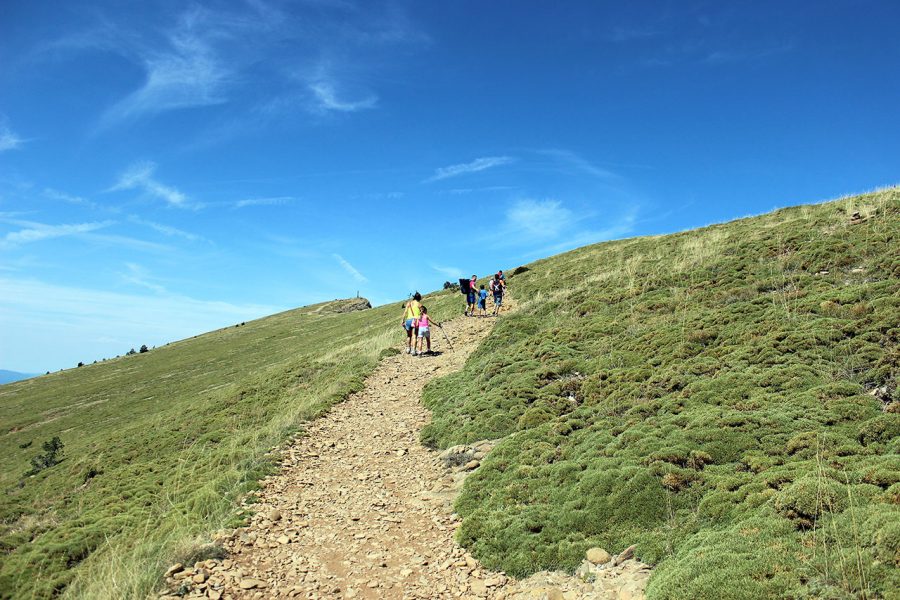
x=496 y=288
x=418 y=324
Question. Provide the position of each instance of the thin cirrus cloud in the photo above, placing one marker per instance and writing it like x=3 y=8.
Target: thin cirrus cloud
x=532 y=219
x=166 y=230
x=140 y=176
x=451 y=272
x=36 y=232
x=260 y=59
x=184 y=70
x=69 y=198
x=9 y=140
x=578 y=163
x=138 y=276
x=326 y=99
x=477 y=165
x=274 y=201
x=350 y=269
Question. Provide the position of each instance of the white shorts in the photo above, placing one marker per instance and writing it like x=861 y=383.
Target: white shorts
x=424 y=333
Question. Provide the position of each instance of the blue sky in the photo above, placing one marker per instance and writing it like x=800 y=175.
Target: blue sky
x=167 y=168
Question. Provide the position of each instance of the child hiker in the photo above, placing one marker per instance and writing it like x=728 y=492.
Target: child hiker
x=411 y=313
x=424 y=332
x=482 y=301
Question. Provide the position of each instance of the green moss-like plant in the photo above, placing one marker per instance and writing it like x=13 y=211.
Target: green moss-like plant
x=704 y=395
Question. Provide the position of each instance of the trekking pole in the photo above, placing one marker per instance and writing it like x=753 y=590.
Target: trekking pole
x=446 y=337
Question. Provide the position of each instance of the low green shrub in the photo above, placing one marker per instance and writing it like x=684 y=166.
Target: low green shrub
x=702 y=395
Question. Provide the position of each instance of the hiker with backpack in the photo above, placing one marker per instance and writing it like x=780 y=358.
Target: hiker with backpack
x=471 y=296
x=497 y=288
x=411 y=314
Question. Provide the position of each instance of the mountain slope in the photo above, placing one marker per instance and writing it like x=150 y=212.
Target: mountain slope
x=159 y=446
x=724 y=398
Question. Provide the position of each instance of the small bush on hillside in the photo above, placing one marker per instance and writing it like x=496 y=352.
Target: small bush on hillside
x=52 y=449
x=144 y=348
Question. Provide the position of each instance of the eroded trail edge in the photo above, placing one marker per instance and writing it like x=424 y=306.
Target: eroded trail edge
x=360 y=509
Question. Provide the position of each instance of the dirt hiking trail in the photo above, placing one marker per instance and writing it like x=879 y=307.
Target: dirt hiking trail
x=360 y=509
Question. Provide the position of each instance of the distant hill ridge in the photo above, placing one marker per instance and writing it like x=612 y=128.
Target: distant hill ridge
x=10 y=376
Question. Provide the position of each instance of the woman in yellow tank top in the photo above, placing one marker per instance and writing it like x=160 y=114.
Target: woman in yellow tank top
x=411 y=312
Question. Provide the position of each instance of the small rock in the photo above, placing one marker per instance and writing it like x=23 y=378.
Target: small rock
x=176 y=568
x=472 y=464
x=213 y=594
x=555 y=594
x=201 y=576
x=274 y=515
x=250 y=583
x=284 y=539
x=626 y=554
x=598 y=556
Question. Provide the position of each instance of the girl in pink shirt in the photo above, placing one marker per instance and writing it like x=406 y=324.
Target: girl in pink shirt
x=424 y=331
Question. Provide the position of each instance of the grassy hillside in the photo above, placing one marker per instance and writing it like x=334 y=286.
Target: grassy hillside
x=724 y=398
x=159 y=446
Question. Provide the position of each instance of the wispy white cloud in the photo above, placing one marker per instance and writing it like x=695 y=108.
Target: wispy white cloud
x=578 y=163
x=623 y=225
x=538 y=218
x=327 y=100
x=274 y=201
x=124 y=241
x=351 y=270
x=487 y=188
x=213 y=56
x=166 y=230
x=36 y=232
x=184 y=70
x=479 y=164
x=451 y=272
x=544 y=227
x=627 y=34
x=46 y=326
x=8 y=139
x=138 y=275
x=140 y=176
x=724 y=57
x=69 y=198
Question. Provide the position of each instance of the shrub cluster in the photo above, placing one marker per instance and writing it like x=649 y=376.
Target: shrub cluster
x=706 y=395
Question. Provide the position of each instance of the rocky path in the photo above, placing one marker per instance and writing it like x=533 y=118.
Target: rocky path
x=360 y=509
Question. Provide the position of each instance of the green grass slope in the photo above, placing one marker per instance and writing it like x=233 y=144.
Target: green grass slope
x=160 y=446
x=724 y=398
